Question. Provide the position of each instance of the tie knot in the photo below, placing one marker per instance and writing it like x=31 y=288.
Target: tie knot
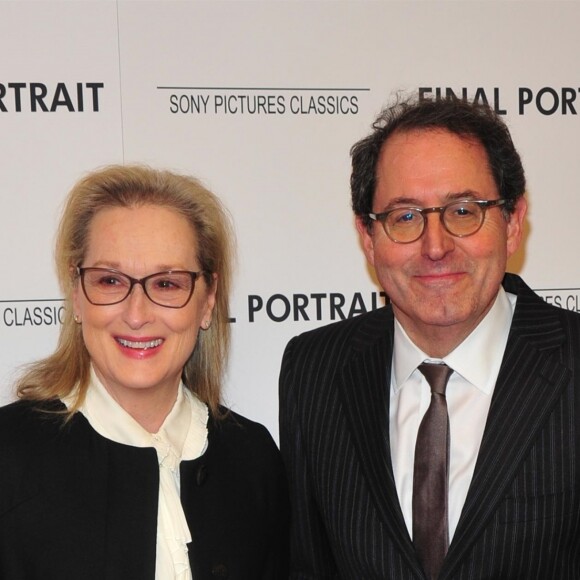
x=437 y=376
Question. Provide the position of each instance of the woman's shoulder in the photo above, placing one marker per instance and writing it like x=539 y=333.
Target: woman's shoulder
x=240 y=434
x=25 y=406
x=25 y=420
x=233 y=423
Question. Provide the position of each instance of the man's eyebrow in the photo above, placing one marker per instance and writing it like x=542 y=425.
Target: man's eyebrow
x=402 y=202
x=468 y=194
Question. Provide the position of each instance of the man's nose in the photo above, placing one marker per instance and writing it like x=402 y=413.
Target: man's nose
x=436 y=240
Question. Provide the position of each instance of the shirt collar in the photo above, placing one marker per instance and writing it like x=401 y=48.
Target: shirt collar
x=487 y=340
x=184 y=430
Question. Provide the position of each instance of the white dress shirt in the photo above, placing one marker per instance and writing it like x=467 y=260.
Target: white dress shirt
x=182 y=436
x=476 y=363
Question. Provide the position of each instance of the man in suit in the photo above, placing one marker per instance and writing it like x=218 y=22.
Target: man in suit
x=437 y=190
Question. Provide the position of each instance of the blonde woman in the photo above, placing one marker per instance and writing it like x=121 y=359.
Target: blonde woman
x=119 y=462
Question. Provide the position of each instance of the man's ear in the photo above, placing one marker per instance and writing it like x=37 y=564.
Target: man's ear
x=366 y=239
x=515 y=228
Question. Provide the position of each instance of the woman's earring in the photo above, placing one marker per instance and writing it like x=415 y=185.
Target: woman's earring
x=77 y=318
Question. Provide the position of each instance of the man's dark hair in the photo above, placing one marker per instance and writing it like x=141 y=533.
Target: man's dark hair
x=465 y=119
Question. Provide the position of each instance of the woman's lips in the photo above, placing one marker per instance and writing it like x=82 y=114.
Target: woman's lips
x=140 y=344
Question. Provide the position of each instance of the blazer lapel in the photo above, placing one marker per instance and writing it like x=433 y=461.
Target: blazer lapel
x=529 y=384
x=365 y=390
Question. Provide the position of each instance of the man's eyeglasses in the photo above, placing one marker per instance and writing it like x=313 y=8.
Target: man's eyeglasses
x=460 y=218
x=105 y=286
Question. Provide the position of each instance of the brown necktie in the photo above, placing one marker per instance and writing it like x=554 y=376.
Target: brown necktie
x=431 y=477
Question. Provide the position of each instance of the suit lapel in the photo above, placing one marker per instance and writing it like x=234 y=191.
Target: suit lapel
x=364 y=388
x=529 y=384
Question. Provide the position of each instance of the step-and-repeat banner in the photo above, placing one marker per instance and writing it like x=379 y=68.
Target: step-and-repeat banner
x=262 y=101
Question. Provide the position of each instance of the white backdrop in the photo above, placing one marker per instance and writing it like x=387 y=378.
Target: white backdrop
x=262 y=101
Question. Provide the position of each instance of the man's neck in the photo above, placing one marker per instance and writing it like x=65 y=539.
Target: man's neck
x=437 y=341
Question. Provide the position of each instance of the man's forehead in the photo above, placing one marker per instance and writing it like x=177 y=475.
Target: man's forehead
x=405 y=137
x=432 y=154
x=433 y=161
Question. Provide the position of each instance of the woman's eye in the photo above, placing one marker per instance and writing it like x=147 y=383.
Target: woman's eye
x=108 y=281
x=168 y=284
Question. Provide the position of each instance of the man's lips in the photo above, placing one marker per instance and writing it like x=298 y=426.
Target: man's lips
x=442 y=277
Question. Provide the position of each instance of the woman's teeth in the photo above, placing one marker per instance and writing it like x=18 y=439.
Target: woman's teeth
x=143 y=345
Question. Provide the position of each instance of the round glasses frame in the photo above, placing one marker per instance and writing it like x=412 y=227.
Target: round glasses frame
x=482 y=205
x=143 y=282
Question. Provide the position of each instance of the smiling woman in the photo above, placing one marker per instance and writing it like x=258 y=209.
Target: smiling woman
x=140 y=340
x=119 y=459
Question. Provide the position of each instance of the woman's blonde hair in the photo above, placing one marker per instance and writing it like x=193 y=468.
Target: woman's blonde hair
x=132 y=186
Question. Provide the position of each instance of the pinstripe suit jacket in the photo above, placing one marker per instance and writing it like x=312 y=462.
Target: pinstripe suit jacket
x=521 y=517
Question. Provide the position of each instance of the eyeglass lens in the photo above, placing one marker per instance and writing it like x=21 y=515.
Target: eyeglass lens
x=105 y=287
x=460 y=219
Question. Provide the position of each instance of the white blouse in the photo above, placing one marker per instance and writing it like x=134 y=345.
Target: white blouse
x=182 y=436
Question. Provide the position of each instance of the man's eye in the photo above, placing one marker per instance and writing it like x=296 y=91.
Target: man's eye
x=405 y=217
x=462 y=211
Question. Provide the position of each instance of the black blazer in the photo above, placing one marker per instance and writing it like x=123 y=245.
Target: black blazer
x=77 y=506
x=521 y=518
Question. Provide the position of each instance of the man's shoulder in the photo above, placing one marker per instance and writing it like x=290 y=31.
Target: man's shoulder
x=544 y=324
x=355 y=333
x=530 y=302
